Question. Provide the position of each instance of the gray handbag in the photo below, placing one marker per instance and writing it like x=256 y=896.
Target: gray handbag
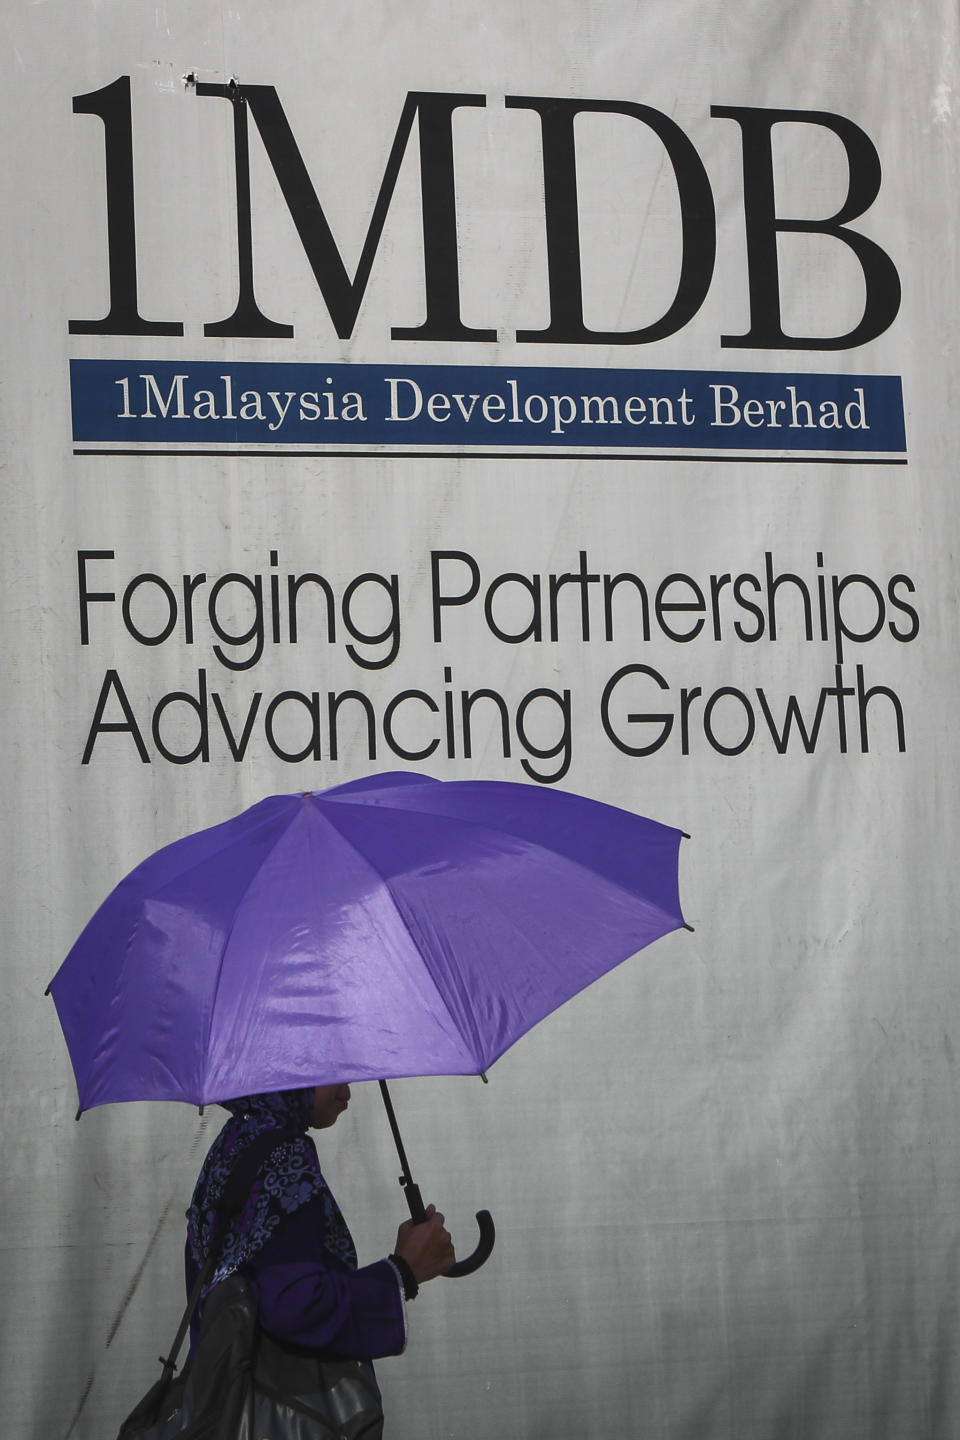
x=239 y=1383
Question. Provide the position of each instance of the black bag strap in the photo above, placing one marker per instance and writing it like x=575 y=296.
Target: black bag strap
x=235 y=1192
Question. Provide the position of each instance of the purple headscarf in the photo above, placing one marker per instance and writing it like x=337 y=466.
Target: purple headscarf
x=287 y=1181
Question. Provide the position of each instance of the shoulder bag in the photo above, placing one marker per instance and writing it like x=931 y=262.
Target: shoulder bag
x=239 y=1383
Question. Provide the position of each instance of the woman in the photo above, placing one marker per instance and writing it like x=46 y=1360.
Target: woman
x=292 y=1242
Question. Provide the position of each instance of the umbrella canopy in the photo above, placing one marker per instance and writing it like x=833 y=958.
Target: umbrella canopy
x=393 y=926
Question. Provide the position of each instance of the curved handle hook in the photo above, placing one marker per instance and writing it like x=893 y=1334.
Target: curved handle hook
x=481 y=1255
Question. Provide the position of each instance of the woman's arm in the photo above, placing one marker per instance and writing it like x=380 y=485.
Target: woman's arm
x=310 y=1298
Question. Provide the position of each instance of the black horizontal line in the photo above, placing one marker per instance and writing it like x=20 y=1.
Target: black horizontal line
x=278 y=454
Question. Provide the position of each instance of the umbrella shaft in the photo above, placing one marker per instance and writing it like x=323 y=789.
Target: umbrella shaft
x=414 y=1203
x=410 y=1190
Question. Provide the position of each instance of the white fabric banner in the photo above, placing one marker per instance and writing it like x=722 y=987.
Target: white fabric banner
x=554 y=393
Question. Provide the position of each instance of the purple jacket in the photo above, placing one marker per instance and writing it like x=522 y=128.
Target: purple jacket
x=309 y=1297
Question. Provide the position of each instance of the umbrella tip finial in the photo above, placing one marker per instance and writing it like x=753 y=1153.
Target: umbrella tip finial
x=79 y=1113
x=483 y=1076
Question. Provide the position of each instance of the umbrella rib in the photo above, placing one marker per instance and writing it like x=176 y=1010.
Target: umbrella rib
x=384 y=884
x=516 y=924
x=225 y=946
x=490 y=829
x=413 y=929
x=482 y=1058
x=468 y=1040
x=471 y=1040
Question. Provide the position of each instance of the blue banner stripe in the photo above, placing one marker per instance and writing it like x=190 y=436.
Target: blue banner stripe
x=175 y=403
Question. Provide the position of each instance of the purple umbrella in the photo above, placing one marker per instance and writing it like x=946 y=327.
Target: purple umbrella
x=389 y=927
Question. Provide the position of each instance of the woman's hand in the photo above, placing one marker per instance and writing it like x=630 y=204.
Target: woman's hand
x=426 y=1247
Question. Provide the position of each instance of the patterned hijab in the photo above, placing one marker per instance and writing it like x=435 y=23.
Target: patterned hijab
x=288 y=1180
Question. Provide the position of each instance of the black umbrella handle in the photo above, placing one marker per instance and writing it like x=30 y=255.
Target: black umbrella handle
x=418 y=1211
x=481 y=1255
x=488 y=1232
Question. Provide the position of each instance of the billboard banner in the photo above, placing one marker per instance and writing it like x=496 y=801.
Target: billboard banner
x=550 y=394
